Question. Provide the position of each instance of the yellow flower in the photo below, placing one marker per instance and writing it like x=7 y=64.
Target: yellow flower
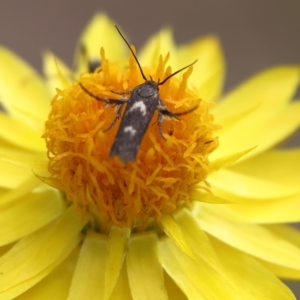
x=188 y=219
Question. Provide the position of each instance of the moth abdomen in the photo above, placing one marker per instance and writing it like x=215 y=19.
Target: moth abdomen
x=136 y=119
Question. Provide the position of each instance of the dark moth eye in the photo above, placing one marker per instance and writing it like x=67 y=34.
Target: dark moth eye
x=93 y=65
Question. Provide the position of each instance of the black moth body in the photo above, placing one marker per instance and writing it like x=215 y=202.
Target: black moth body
x=144 y=100
x=139 y=111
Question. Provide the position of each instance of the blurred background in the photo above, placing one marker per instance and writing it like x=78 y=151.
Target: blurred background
x=255 y=34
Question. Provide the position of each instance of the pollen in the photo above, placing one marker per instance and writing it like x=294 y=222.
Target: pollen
x=165 y=170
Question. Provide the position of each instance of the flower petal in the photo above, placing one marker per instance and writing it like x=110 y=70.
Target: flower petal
x=100 y=32
x=293 y=236
x=198 y=240
x=58 y=73
x=18 y=133
x=14 y=175
x=244 y=271
x=265 y=99
x=91 y=263
x=281 y=166
x=208 y=72
x=21 y=89
x=240 y=187
x=174 y=292
x=281 y=271
x=284 y=210
x=144 y=268
x=200 y=281
x=272 y=87
x=40 y=209
x=199 y=195
x=117 y=245
x=161 y=43
x=35 y=256
x=225 y=161
x=174 y=232
x=36 y=163
x=280 y=128
x=56 y=285
x=256 y=240
x=23 y=189
x=122 y=289
x=263 y=129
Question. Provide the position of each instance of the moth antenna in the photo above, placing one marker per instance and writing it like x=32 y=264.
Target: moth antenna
x=143 y=75
x=166 y=79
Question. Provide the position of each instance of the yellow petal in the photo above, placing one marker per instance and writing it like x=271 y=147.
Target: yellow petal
x=225 y=161
x=23 y=189
x=159 y=44
x=199 y=195
x=122 y=289
x=174 y=292
x=198 y=240
x=6 y=248
x=100 y=32
x=208 y=72
x=280 y=271
x=36 y=163
x=172 y=229
x=280 y=128
x=145 y=273
x=254 y=130
x=8 y=148
x=293 y=236
x=272 y=87
x=286 y=210
x=269 y=92
x=21 y=89
x=256 y=240
x=281 y=166
x=196 y=279
x=14 y=175
x=88 y=279
x=117 y=245
x=35 y=256
x=20 y=134
x=252 y=281
x=230 y=122
x=58 y=73
x=56 y=285
x=240 y=187
x=26 y=214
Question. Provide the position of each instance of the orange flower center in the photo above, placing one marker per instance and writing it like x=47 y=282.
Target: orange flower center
x=164 y=171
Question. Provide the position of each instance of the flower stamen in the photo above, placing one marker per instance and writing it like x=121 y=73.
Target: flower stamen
x=164 y=171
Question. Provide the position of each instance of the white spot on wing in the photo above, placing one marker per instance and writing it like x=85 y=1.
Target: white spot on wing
x=130 y=129
x=141 y=106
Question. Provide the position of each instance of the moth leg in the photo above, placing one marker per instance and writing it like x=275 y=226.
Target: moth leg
x=185 y=112
x=164 y=111
x=106 y=100
x=117 y=117
x=159 y=121
x=122 y=93
x=162 y=108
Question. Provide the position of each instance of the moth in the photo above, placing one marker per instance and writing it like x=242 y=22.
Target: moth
x=141 y=105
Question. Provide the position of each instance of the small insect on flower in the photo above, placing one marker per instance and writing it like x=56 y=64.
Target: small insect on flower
x=144 y=100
